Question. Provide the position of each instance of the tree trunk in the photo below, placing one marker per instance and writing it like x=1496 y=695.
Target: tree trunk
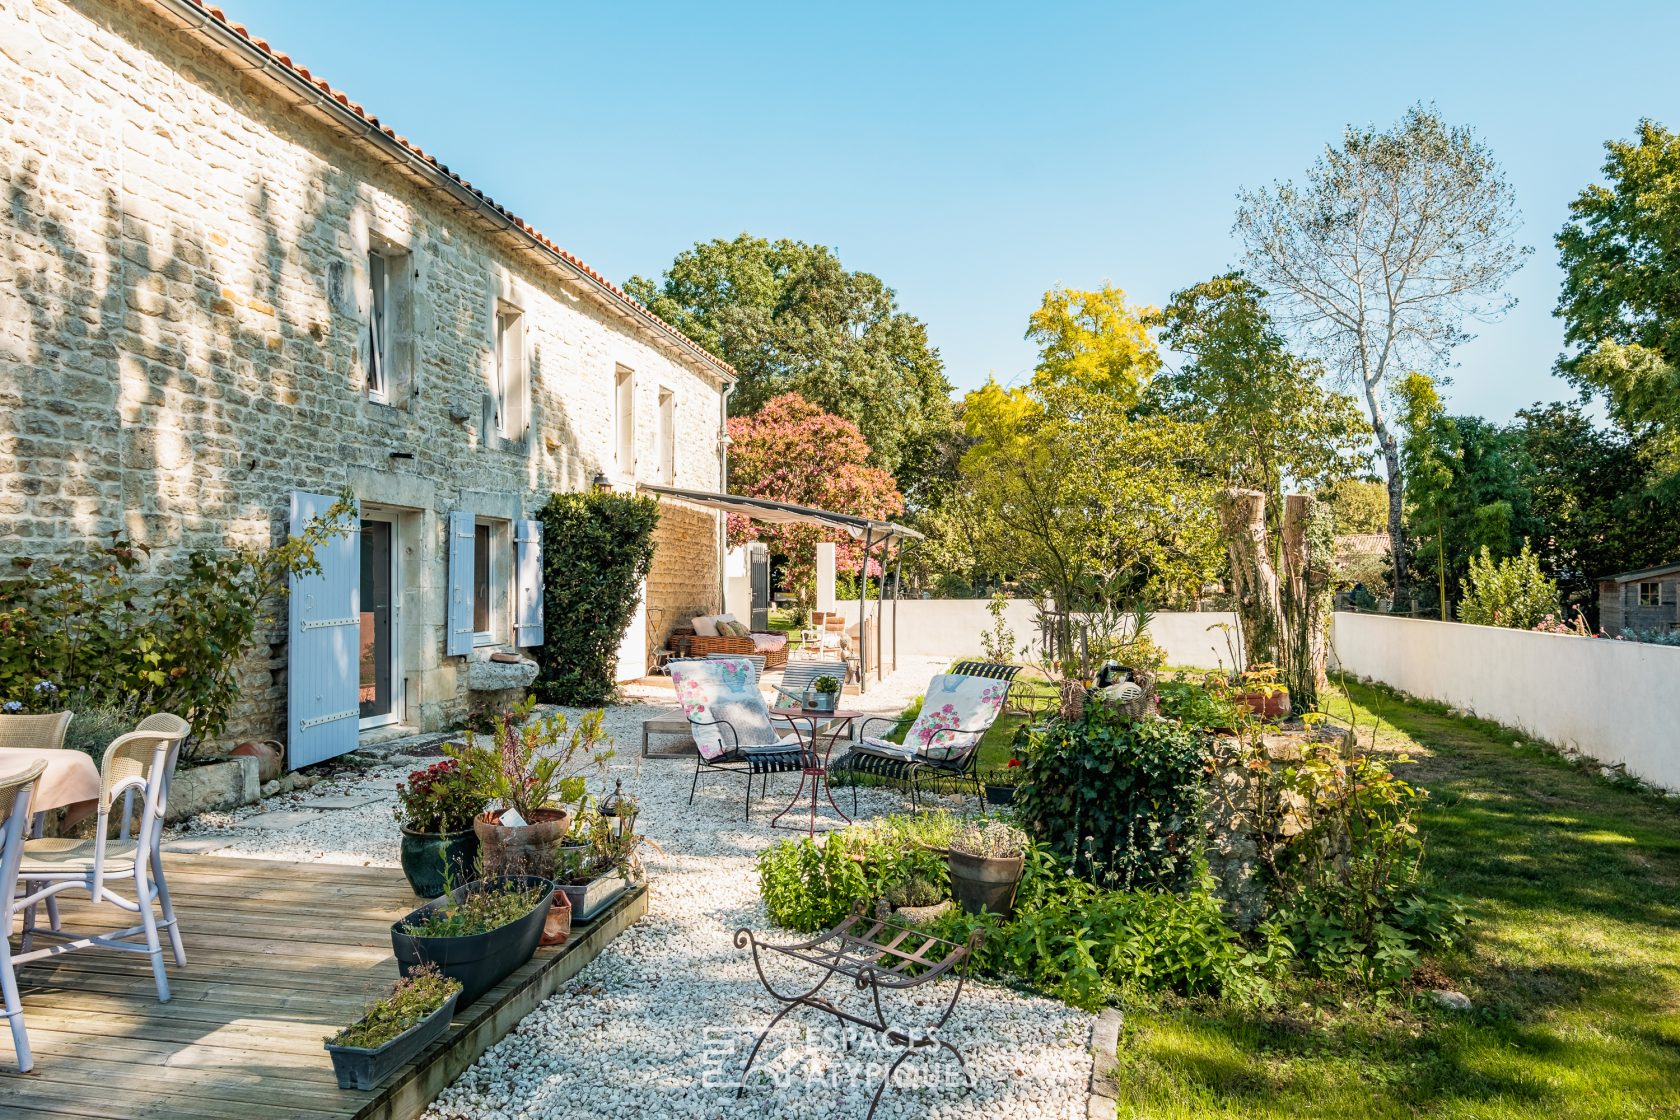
x=1309 y=544
x=1396 y=492
x=1242 y=520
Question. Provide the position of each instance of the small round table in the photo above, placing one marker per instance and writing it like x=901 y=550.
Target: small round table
x=814 y=766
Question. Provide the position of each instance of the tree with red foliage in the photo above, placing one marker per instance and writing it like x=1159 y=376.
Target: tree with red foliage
x=790 y=450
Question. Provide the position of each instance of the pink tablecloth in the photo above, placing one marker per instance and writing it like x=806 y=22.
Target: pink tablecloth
x=70 y=781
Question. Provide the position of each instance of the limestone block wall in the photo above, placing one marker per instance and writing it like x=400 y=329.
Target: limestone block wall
x=183 y=331
x=686 y=577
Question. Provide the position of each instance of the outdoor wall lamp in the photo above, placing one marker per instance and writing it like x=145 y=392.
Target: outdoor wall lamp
x=601 y=482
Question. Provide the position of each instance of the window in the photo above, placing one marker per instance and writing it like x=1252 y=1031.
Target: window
x=624 y=413
x=667 y=437
x=483 y=603
x=509 y=391
x=379 y=329
x=1650 y=594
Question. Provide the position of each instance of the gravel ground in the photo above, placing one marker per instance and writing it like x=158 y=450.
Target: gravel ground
x=661 y=1022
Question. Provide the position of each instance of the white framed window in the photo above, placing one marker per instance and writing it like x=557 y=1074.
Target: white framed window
x=509 y=390
x=379 y=328
x=492 y=568
x=1650 y=594
x=624 y=420
x=667 y=437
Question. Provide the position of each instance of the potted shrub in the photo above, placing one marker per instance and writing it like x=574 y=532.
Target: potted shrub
x=535 y=768
x=825 y=694
x=477 y=933
x=394 y=1030
x=986 y=859
x=435 y=810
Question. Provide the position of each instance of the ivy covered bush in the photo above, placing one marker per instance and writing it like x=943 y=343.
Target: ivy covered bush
x=1120 y=800
x=112 y=638
x=597 y=549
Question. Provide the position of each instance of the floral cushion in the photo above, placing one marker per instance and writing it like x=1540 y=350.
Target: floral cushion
x=955 y=704
x=723 y=689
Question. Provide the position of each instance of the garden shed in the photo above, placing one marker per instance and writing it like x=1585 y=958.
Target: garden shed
x=1648 y=599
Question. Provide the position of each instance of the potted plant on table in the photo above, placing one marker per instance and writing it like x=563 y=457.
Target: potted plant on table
x=435 y=810
x=824 y=695
x=986 y=859
x=477 y=933
x=535 y=768
x=393 y=1030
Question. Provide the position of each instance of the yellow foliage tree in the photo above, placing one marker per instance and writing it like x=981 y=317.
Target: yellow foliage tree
x=1094 y=340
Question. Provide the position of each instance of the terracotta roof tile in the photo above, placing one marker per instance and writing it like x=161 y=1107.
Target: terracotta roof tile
x=343 y=99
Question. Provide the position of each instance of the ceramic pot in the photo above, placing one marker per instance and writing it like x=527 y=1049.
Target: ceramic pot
x=985 y=882
x=424 y=855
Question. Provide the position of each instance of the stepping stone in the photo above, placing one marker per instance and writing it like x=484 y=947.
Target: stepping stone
x=195 y=847
x=352 y=801
x=278 y=820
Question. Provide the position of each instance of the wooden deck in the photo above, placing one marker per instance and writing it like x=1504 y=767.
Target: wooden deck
x=278 y=956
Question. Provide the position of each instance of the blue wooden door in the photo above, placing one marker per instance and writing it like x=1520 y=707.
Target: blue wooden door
x=322 y=657
x=458 y=618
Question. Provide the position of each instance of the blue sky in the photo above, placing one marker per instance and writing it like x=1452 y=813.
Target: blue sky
x=973 y=155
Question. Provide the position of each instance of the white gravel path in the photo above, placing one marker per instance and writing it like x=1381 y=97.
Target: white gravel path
x=662 y=1020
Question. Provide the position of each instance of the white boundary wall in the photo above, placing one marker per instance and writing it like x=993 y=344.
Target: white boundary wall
x=951 y=628
x=1611 y=700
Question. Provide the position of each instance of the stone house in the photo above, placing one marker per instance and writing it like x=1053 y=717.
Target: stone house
x=1642 y=600
x=228 y=293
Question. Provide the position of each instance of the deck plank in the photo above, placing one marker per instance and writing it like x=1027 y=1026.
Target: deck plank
x=278 y=955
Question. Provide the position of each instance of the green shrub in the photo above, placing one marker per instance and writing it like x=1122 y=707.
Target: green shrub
x=1512 y=592
x=104 y=632
x=1119 y=800
x=597 y=549
x=412 y=1000
x=95 y=725
x=809 y=886
x=1194 y=705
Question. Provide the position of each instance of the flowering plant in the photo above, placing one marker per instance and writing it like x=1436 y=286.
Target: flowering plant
x=44 y=697
x=444 y=797
x=537 y=763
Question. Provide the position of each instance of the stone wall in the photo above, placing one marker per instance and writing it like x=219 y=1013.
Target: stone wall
x=183 y=331
x=686 y=577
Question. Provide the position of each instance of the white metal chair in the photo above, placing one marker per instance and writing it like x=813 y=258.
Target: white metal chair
x=14 y=830
x=140 y=763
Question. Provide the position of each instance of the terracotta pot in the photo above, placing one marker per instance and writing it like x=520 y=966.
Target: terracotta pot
x=526 y=849
x=270 y=756
x=1265 y=703
x=557 y=927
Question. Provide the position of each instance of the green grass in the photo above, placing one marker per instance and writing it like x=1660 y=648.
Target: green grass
x=1573 y=884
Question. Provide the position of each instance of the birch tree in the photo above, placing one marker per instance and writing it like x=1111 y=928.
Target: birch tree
x=1377 y=260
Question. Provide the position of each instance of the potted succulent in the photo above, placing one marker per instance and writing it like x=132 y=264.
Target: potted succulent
x=535 y=768
x=394 y=1030
x=986 y=859
x=435 y=810
x=477 y=933
x=824 y=695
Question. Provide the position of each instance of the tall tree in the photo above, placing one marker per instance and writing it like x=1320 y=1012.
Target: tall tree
x=1394 y=241
x=790 y=318
x=792 y=451
x=1267 y=418
x=1620 y=304
x=1094 y=340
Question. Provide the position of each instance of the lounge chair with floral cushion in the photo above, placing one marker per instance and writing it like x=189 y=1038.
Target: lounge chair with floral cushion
x=942 y=741
x=733 y=729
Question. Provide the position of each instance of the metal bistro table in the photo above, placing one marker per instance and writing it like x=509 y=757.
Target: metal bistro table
x=818 y=725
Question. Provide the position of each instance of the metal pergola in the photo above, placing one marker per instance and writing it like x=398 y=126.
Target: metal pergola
x=887 y=536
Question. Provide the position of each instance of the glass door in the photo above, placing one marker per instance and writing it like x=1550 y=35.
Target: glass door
x=378 y=646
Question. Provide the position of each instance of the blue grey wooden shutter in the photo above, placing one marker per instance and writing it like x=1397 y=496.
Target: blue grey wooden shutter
x=528 y=615
x=462 y=528
x=322 y=665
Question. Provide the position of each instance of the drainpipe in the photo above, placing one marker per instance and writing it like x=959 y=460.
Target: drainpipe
x=723 y=488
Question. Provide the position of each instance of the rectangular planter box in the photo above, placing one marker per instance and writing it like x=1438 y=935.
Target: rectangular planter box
x=357 y=1068
x=588 y=898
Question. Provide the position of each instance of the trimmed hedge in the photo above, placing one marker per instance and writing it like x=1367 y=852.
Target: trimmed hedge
x=597 y=549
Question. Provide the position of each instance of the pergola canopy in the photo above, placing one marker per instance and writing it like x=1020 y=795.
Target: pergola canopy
x=786 y=513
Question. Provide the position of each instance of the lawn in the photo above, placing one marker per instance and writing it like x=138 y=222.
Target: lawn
x=1573 y=964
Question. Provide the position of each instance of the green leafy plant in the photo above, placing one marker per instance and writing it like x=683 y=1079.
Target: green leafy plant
x=826 y=685
x=1119 y=799
x=444 y=797
x=102 y=628
x=1511 y=592
x=597 y=549
x=412 y=1000
x=490 y=907
x=1195 y=705
x=988 y=840
x=998 y=643
x=809 y=885
x=536 y=762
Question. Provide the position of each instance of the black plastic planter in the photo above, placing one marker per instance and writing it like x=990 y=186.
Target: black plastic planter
x=999 y=795
x=480 y=961
x=985 y=882
x=358 y=1068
